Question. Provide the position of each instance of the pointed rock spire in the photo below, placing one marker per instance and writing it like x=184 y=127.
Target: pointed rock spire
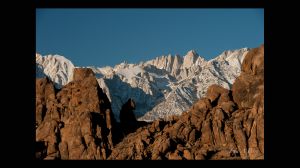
x=192 y=53
x=189 y=59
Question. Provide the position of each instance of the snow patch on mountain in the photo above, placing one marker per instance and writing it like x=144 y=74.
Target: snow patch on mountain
x=57 y=68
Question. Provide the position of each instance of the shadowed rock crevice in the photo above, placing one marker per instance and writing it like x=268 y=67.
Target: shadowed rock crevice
x=40 y=150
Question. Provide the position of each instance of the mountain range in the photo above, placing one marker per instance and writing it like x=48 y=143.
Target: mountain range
x=75 y=120
x=161 y=87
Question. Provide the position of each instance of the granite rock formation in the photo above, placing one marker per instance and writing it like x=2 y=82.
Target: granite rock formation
x=75 y=122
x=226 y=124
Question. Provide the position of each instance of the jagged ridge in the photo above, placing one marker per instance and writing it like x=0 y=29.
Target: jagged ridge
x=171 y=82
x=226 y=124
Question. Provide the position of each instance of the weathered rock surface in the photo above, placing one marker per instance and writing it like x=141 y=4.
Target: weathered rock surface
x=248 y=88
x=74 y=123
x=227 y=124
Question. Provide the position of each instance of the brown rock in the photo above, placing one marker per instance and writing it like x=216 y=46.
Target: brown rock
x=215 y=92
x=139 y=147
x=192 y=136
x=217 y=126
x=199 y=157
x=45 y=94
x=253 y=62
x=240 y=138
x=80 y=74
x=175 y=155
x=76 y=123
x=221 y=155
x=250 y=83
x=161 y=144
x=201 y=107
x=228 y=106
x=187 y=155
x=206 y=137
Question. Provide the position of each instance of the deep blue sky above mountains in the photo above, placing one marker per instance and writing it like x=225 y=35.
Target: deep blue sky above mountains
x=100 y=37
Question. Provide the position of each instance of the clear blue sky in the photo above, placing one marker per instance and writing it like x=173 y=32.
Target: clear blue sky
x=100 y=37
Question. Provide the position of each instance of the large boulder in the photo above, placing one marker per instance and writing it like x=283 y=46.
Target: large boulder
x=249 y=86
x=217 y=94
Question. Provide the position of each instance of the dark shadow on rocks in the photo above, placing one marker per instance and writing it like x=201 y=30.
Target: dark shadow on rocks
x=209 y=155
x=40 y=150
x=128 y=122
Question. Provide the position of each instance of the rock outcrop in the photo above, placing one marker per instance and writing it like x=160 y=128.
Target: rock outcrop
x=75 y=122
x=252 y=78
x=128 y=120
x=226 y=124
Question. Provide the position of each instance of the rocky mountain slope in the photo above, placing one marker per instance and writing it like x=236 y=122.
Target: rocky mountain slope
x=226 y=124
x=164 y=86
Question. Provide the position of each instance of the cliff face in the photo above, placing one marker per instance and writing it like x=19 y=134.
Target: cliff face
x=74 y=122
x=226 y=124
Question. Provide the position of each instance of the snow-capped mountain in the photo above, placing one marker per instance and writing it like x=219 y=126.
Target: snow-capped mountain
x=161 y=87
x=56 y=67
x=194 y=81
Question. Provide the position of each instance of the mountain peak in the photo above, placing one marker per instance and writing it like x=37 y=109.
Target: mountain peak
x=228 y=52
x=192 y=53
x=58 y=68
x=38 y=56
x=190 y=59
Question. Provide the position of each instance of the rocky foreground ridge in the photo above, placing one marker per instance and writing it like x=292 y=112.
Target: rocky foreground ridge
x=76 y=122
